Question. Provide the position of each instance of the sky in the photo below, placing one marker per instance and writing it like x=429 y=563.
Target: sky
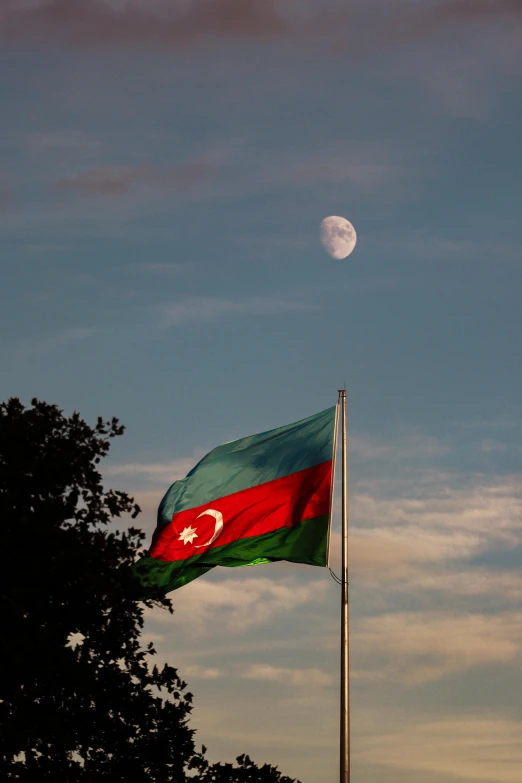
x=164 y=170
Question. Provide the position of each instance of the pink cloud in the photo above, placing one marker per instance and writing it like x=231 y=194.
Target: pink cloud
x=419 y=20
x=98 y=22
x=172 y=23
x=473 y=9
x=119 y=180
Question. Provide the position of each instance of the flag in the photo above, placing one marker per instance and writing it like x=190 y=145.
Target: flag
x=254 y=500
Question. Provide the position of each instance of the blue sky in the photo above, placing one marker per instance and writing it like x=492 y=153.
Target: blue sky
x=163 y=176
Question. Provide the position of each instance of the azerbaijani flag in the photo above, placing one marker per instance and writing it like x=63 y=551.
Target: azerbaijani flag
x=255 y=500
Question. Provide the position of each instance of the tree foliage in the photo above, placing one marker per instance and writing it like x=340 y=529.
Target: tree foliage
x=80 y=700
x=245 y=771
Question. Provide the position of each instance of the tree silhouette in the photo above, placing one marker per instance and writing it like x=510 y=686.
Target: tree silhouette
x=244 y=772
x=79 y=697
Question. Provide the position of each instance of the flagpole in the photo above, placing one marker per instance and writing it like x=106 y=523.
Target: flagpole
x=345 y=617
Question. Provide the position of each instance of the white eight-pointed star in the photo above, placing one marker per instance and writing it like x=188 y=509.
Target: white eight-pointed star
x=188 y=535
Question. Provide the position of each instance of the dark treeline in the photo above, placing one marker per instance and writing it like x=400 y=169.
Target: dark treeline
x=96 y=710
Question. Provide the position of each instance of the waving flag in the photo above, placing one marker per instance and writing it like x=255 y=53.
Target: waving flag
x=255 y=500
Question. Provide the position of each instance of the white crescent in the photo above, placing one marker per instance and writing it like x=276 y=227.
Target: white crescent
x=218 y=516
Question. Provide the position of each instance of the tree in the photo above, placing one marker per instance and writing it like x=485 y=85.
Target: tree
x=245 y=772
x=79 y=697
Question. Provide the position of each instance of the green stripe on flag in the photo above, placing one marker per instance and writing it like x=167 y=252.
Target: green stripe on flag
x=303 y=543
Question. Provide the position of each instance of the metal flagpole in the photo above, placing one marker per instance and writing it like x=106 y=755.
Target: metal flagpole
x=345 y=632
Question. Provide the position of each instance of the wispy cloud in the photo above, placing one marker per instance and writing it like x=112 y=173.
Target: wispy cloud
x=444 y=248
x=366 y=166
x=481 y=506
x=56 y=340
x=42 y=249
x=62 y=140
x=418 y=647
x=207 y=308
x=489 y=584
x=361 y=165
x=482 y=747
x=476 y=9
x=412 y=446
x=416 y=20
x=158 y=268
x=152 y=473
x=155 y=24
x=162 y=24
x=300 y=678
x=421 y=532
x=239 y=604
x=119 y=180
x=198 y=672
x=489 y=444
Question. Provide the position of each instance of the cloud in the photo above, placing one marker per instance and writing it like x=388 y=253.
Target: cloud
x=428 y=248
x=159 y=268
x=239 y=604
x=418 y=647
x=202 y=672
x=119 y=180
x=420 y=532
x=489 y=444
x=62 y=140
x=489 y=507
x=366 y=166
x=346 y=167
x=55 y=340
x=300 y=678
x=469 y=581
x=404 y=447
x=391 y=552
x=417 y=20
x=484 y=747
x=207 y=308
x=418 y=560
x=80 y=23
x=42 y=249
x=468 y=10
x=171 y=24
x=147 y=473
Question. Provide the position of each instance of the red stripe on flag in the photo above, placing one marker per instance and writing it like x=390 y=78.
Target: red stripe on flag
x=280 y=503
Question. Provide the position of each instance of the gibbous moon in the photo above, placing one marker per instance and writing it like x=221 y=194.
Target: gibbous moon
x=338 y=236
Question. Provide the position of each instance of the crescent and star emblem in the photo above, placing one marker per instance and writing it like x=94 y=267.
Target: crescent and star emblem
x=189 y=533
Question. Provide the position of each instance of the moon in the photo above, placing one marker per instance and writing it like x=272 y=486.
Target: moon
x=338 y=236
x=218 y=516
